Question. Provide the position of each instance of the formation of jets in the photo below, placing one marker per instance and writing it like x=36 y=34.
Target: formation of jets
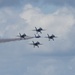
x=38 y=30
x=25 y=37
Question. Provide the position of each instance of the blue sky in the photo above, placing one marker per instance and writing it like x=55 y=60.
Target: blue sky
x=53 y=57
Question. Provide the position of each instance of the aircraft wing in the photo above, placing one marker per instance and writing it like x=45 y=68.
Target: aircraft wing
x=13 y=39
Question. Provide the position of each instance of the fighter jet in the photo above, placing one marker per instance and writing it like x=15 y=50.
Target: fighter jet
x=39 y=30
x=37 y=36
x=35 y=44
x=22 y=36
x=51 y=37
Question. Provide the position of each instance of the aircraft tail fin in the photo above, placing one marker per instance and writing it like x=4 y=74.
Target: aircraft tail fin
x=48 y=35
x=25 y=34
x=35 y=35
x=20 y=34
x=35 y=28
x=33 y=42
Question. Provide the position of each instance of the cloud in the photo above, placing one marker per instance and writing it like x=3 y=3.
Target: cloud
x=11 y=23
x=50 y=65
x=56 y=21
x=59 y=23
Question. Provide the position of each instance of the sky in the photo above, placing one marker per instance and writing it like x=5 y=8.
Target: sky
x=53 y=57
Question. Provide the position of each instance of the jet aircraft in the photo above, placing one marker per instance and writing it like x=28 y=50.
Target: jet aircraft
x=51 y=37
x=22 y=36
x=35 y=44
x=39 y=30
x=37 y=36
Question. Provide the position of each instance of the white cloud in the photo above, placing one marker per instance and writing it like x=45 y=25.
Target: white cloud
x=59 y=23
x=10 y=23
